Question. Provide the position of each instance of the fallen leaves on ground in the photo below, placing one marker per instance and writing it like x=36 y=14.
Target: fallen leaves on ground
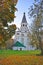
x=22 y=60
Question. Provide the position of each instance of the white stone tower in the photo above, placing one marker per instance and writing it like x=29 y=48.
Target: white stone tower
x=22 y=34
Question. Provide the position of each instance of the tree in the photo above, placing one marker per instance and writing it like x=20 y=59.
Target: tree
x=36 y=12
x=7 y=15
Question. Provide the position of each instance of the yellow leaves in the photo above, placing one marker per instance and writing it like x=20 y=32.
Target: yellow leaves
x=5 y=5
x=1 y=37
x=12 y=1
x=7 y=14
x=8 y=6
x=6 y=17
x=15 y=1
x=22 y=60
x=13 y=26
x=12 y=15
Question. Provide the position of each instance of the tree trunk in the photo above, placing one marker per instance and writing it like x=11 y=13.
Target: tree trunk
x=41 y=45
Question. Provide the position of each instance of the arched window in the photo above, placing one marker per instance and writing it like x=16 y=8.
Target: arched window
x=17 y=33
x=23 y=24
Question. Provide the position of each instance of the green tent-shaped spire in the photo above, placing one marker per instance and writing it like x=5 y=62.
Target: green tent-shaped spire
x=18 y=44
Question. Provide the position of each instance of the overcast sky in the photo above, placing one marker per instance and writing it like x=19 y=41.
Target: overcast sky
x=22 y=7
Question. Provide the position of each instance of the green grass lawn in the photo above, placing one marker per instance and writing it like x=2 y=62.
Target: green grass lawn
x=13 y=52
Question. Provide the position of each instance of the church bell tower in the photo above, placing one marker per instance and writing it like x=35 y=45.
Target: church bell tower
x=24 y=24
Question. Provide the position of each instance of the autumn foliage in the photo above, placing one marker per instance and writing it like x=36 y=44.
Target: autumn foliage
x=7 y=15
x=22 y=60
x=7 y=10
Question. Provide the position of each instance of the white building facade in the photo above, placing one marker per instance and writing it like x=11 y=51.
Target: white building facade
x=22 y=35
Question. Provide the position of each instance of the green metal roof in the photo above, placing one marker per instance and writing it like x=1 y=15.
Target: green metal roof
x=18 y=44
